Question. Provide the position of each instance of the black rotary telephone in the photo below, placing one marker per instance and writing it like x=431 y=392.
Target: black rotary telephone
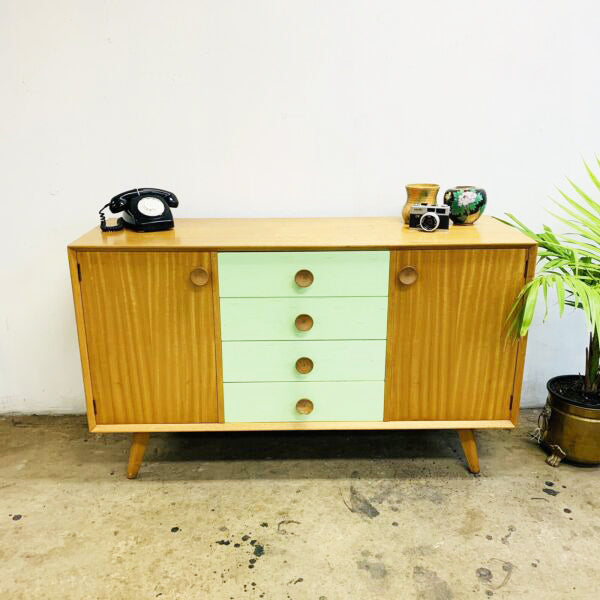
x=144 y=209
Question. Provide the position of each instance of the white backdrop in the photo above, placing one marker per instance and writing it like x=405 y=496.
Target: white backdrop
x=273 y=108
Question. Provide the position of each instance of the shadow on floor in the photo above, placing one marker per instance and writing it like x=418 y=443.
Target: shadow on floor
x=268 y=455
x=299 y=445
x=300 y=455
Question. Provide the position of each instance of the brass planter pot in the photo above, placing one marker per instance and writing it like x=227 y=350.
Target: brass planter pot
x=569 y=431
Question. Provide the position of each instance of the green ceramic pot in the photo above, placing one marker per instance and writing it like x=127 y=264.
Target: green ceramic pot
x=466 y=203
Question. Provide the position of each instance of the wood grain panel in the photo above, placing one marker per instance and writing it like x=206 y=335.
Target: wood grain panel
x=341 y=233
x=150 y=337
x=449 y=356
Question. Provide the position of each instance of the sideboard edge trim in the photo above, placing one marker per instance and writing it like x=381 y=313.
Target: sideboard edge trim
x=302 y=248
x=302 y=426
x=75 y=274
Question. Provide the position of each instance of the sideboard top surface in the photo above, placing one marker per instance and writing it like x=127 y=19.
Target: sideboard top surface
x=304 y=234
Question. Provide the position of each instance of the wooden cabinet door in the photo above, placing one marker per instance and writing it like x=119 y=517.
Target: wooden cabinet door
x=449 y=356
x=150 y=336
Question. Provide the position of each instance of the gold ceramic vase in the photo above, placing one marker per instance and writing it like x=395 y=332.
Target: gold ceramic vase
x=419 y=193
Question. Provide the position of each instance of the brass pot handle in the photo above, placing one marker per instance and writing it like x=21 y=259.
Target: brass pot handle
x=304 y=365
x=304 y=406
x=408 y=275
x=304 y=322
x=199 y=276
x=304 y=278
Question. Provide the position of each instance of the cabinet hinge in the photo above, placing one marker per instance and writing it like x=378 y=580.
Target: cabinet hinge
x=96 y=412
x=526 y=268
x=79 y=271
x=512 y=398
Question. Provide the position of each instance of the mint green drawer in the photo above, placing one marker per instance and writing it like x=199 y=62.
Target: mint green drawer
x=333 y=401
x=271 y=274
x=348 y=360
x=274 y=318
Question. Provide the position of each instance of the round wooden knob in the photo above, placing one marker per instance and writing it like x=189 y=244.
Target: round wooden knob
x=304 y=322
x=304 y=365
x=199 y=276
x=407 y=275
x=304 y=406
x=304 y=278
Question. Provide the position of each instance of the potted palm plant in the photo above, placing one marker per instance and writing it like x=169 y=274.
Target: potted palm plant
x=569 y=265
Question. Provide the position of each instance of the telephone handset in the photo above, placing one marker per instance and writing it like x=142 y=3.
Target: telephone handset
x=144 y=209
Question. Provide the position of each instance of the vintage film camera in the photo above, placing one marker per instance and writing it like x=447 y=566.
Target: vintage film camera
x=429 y=217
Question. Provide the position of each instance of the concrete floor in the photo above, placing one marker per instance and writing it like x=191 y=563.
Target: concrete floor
x=318 y=515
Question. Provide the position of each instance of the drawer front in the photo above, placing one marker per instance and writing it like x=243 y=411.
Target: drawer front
x=276 y=318
x=273 y=274
x=276 y=402
x=350 y=360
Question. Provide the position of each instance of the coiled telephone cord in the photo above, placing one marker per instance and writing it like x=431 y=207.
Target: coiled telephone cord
x=104 y=226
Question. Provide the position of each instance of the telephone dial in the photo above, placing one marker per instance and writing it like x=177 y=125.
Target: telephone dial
x=144 y=209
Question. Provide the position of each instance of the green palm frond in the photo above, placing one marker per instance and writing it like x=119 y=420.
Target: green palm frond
x=591 y=174
x=570 y=291
x=568 y=263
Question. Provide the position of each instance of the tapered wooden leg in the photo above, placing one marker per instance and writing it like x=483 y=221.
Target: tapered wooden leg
x=136 y=453
x=469 y=446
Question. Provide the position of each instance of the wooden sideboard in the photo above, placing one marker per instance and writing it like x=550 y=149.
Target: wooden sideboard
x=328 y=323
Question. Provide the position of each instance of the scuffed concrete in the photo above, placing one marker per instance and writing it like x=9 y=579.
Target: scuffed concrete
x=291 y=516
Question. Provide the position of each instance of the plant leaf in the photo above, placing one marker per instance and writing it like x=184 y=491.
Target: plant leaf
x=591 y=173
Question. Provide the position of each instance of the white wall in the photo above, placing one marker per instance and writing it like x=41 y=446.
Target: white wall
x=258 y=108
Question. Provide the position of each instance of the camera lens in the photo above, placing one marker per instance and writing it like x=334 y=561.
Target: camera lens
x=429 y=222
